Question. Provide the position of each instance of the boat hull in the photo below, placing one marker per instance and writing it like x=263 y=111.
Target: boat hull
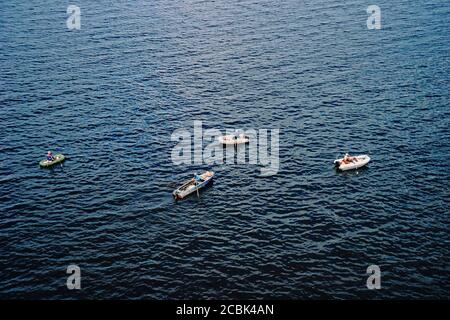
x=58 y=159
x=230 y=140
x=362 y=160
x=191 y=186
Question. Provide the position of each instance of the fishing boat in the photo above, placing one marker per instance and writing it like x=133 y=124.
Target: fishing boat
x=193 y=185
x=354 y=162
x=233 y=139
x=57 y=159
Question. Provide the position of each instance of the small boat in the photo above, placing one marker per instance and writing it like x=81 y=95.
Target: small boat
x=234 y=139
x=192 y=186
x=58 y=159
x=358 y=162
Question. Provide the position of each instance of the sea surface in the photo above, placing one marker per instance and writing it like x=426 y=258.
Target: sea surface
x=110 y=95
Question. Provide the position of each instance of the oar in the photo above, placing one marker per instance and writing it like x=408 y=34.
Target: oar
x=196 y=183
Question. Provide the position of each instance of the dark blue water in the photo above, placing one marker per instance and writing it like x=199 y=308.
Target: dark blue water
x=110 y=95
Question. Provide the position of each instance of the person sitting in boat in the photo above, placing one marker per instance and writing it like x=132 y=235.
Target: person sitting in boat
x=50 y=156
x=348 y=159
x=197 y=178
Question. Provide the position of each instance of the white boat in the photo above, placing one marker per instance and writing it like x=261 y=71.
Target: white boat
x=192 y=185
x=233 y=139
x=355 y=162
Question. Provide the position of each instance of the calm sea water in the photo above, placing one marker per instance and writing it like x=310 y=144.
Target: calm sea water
x=110 y=95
